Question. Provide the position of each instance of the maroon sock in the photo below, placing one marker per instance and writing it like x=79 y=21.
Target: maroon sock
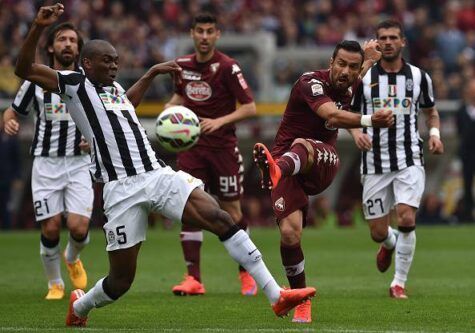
x=293 y=261
x=287 y=161
x=191 y=254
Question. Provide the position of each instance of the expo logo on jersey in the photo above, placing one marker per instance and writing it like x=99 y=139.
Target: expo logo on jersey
x=198 y=91
x=56 y=111
x=114 y=102
x=397 y=105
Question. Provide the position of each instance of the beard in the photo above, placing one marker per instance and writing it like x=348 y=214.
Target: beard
x=65 y=60
x=391 y=58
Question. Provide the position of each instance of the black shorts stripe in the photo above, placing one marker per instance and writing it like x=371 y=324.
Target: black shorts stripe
x=139 y=140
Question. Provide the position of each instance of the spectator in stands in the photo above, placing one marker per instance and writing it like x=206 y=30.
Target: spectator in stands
x=10 y=175
x=466 y=130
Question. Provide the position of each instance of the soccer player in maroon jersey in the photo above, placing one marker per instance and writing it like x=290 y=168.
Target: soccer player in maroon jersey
x=303 y=160
x=210 y=84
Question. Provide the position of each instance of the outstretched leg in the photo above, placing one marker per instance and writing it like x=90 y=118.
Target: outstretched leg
x=203 y=211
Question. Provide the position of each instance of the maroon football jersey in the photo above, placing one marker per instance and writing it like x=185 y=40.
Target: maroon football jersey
x=310 y=91
x=211 y=89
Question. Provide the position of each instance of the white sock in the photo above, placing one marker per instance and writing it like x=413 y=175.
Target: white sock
x=242 y=249
x=50 y=256
x=405 y=248
x=296 y=159
x=94 y=298
x=74 y=248
x=390 y=241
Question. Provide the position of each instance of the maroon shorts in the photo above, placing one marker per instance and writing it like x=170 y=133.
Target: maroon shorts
x=291 y=193
x=221 y=170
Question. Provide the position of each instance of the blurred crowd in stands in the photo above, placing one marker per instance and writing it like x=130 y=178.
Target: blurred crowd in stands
x=440 y=33
x=440 y=36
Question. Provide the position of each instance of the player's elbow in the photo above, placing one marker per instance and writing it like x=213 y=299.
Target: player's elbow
x=333 y=120
x=251 y=109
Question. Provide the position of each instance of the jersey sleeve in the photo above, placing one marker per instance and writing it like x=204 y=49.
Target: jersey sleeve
x=313 y=92
x=24 y=99
x=68 y=82
x=426 y=98
x=237 y=84
x=178 y=83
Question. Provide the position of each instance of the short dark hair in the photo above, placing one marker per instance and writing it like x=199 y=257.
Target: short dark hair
x=350 y=46
x=204 y=17
x=390 y=23
x=53 y=32
x=93 y=48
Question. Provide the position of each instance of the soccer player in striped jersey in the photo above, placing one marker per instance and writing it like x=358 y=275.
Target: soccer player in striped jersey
x=60 y=179
x=392 y=164
x=136 y=183
x=304 y=160
x=210 y=84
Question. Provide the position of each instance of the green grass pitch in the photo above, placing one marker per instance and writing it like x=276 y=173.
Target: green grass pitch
x=352 y=294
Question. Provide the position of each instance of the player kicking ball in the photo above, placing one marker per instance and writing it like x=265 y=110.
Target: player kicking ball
x=136 y=182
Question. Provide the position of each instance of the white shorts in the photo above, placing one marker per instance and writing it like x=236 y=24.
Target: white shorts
x=128 y=202
x=61 y=184
x=382 y=192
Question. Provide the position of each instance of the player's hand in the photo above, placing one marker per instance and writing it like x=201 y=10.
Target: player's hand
x=12 y=127
x=382 y=118
x=209 y=125
x=84 y=146
x=49 y=14
x=436 y=146
x=166 y=67
x=362 y=140
x=371 y=50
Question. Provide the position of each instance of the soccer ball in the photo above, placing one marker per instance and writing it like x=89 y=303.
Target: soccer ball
x=177 y=128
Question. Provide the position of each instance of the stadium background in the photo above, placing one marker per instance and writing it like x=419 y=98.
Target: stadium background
x=274 y=41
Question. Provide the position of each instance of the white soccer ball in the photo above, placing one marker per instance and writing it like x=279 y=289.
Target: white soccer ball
x=177 y=128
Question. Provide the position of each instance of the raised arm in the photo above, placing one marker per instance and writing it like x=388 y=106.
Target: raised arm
x=26 y=67
x=343 y=119
x=137 y=91
x=372 y=54
x=209 y=125
x=175 y=100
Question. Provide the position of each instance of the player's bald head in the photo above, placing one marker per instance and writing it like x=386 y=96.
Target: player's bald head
x=96 y=47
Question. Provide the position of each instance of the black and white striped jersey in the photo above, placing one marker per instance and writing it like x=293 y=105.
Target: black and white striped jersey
x=119 y=144
x=55 y=132
x=404 y=93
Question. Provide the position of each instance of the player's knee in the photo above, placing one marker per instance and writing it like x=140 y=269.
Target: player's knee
x=302 y=142
x=79 y=228
x=289 y=236
x=379 y=234
x=236 y=216
x=51 y=228
x=407 y=220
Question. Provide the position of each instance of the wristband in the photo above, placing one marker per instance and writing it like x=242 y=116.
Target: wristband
x=434 y=131
x=366 y=120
